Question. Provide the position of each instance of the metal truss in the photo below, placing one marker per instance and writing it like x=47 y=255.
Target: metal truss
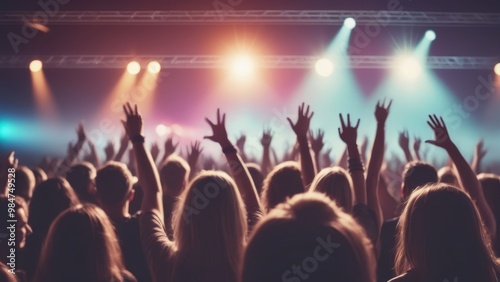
x=228 y=15
x=211 y=62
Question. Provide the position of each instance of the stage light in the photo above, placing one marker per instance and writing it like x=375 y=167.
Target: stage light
x=242 y=66
x=36 y=66
x=133 y=67
x=154 y=67
x=408 y=66
x=324 y=67
x=497 y=69
x=430 y=35
x=162 y=130
x=350 y=23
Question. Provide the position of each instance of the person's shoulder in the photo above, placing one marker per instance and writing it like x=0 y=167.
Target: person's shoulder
x=409 y=276
x=390 y=223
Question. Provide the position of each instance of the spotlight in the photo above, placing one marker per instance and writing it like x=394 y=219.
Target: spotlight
x=133 y=67
x=162 y=130
x=242 y=66
x=154 y=67
x=36 y=66
x=324 y=67
x=350 y=23
x=497 y=69
x=430 y=35
x=408 y=66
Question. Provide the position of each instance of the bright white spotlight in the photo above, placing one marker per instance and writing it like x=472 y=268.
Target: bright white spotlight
x=350 y=23
x=36 y=66
x=430 y=35
x=162 y=130
x=324 y=67
x=408 y=66
x=154 y=67
x=496 y=69
x=133 y=67
x=242 y=66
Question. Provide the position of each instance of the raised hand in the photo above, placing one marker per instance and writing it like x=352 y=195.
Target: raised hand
x=382 y=111
x=109 y=150
x=349 y=133
x=240 y=142
x=404 y=139
x=155 y=150
x=317 y=142
x=133 y=122
x=169 y=146
x=219 y=133
x=301 y=127
x=442 y=138
x=479 y=151
x=194 y=154
x=81 y=133
x=416 y=144
x=267 y=137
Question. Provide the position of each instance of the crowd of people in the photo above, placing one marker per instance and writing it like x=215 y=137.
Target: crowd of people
x=302 y=217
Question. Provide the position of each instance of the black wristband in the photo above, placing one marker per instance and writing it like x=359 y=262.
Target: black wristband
x=229 y=149
x=137 y=139
x=355 y=165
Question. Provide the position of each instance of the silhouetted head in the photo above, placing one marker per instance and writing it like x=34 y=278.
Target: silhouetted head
x=442 y=237
x=257 y=176
x=17 y=207
x=81 y=246
x=281 y=183
x=25 y=183
x=491 y=189
x=174 y=175
x=447 y=175
x=82 y=177
x=51 y=197
x=308 y=238
x=6 y=275
x=210 y=227
x=336 y=183
x=114 y=184
x=40 y=175
x=417 y=174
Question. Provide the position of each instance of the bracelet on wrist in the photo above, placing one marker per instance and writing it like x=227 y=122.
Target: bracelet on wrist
x=137 y=139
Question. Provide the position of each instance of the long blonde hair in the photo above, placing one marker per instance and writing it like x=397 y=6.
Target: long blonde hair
x=210 y=226
x=81 y=246
x=442 y=237
x=336 y=183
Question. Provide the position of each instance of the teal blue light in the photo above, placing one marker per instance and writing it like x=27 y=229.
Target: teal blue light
x=6 y=130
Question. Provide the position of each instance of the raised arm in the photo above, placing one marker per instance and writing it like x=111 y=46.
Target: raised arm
x=94 y=156
x=240 y=144
x=238 y=169
x=349 y=134
x=467 y=177
x=376 y=160
x=169 y=148
x=404 y=143
x=479 y=154
x=317 y=145
x=124 y=143
x=301 y=127
x=109 y=151
x=267 y=137
x=147 y=172
x=192 y=158
x=73 y=150
x=416 y=148
x=155 y=151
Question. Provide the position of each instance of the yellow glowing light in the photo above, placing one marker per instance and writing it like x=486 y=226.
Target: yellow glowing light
x=154 y=67
x=133 y=67
x=36 y=66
